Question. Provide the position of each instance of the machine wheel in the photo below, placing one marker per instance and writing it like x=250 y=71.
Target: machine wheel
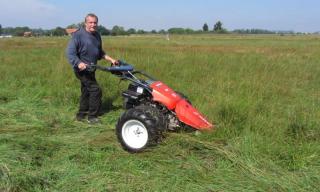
x=138 y=128
x=155 y=113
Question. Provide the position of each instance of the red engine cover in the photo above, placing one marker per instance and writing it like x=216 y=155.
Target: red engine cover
x=186 y=113
x=164 y=94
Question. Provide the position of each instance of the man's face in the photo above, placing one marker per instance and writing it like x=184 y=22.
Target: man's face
x=91 y=24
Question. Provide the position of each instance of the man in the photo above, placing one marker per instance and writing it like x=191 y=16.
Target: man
x=85 y=49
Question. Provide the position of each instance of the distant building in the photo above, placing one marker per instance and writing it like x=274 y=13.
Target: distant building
x=71 y=30
x=27 y=34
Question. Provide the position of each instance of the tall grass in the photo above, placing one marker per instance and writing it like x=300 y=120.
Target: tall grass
x=261 y=92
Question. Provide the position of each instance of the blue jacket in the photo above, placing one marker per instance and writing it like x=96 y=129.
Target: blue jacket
x=84 y=47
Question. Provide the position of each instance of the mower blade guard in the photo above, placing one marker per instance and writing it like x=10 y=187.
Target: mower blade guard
x=187 y=114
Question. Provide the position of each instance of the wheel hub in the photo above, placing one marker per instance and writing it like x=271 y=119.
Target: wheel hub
x=135 y=134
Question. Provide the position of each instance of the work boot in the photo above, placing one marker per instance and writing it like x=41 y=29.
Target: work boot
x=80 y=117
x=93 y=120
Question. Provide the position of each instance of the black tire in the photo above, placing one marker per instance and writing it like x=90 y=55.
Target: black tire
x=157 y=115
x=138 y=128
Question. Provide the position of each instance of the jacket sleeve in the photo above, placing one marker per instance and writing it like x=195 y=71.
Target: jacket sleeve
x=72 y=52
x=102 y=53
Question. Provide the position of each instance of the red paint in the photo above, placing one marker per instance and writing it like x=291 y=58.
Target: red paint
x=164 y=94
x=186 y=113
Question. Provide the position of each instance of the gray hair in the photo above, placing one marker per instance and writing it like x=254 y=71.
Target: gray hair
x=90 y=15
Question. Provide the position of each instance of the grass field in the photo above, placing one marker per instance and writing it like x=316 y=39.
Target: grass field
x=261 y=92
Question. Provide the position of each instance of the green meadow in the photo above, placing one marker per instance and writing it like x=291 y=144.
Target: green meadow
x=262 y=92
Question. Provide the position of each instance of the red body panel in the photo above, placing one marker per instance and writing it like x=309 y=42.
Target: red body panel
x=164 y=94
x=186 y=113
x=191 y=116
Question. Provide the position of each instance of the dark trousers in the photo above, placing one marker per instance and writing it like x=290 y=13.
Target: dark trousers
x=90 y=99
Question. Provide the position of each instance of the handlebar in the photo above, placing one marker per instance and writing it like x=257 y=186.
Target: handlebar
x=121 y=67
x=123 y=70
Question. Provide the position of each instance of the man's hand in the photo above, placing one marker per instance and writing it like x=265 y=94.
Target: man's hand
x=114 y=62
x=82 y=66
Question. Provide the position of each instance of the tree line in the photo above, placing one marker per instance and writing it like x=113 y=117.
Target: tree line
x=119 y=30
x=114 y=31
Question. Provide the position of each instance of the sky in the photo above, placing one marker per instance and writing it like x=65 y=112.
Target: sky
x=293 y=15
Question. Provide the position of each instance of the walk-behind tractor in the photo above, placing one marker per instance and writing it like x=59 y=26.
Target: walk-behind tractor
x=151 y=109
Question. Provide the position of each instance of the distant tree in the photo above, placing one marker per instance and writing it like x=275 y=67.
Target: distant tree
x=188 y=31
x=218 y=26
x=256 y=31
x=78 y=25
x=140 y=31
x=118 y=30
x=48 y=32
x=19 y=31
x=0 y=29
x=7 y=30
x=72 y=26
x=154 y=31
x=103 y=31
x=181 y=31
x=162 y=31
x=176 y=30
x=59 y=31
x=205 y=27
x=131 y=31
x=39 y=32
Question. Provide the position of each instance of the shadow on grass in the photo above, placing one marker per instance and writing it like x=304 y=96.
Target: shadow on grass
x=107 y=106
